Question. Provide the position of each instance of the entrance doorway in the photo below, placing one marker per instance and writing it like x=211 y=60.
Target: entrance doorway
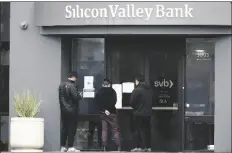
x=161 y=61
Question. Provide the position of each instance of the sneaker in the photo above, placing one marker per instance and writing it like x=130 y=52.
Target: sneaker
x=104 y=148
x=72 y=150
x=63 y=149
x=136 y=150
x=143 y=150
x=147 y=149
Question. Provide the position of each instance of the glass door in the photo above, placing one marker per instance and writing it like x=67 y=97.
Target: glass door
x=166 y=77
x=199 y=106
x=166 y=84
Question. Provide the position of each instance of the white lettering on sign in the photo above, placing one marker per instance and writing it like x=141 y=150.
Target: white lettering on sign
x=203 y=55
x=128 y=11
x=163 y=101
x=161 y=11
x=164 y=83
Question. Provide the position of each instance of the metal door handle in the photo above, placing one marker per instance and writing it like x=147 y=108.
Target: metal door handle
x=165 y=108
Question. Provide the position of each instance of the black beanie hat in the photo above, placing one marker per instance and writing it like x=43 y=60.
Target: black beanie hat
x=106 y=81
x=73 y=74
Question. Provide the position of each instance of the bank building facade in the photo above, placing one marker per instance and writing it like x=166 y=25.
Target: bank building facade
x=183 y=49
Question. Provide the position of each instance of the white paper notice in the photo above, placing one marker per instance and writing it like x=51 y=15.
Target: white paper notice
x=118 y=89
x=88 y=93
x=88 y=82
x=128 y=87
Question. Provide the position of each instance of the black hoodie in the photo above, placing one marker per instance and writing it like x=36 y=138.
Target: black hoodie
x=106 y=99
x=141 y=100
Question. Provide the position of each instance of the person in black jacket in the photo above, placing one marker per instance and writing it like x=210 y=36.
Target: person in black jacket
x=69 y=105
x=141 y=102
x=106 y=98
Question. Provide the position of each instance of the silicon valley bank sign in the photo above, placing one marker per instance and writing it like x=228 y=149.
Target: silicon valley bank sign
x=128 y=11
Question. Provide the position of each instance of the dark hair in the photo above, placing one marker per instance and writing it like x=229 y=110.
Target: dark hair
x=139 y=78
x=73 y=74
x=106 y=81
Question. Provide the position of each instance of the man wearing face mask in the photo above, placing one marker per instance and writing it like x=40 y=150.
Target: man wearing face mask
x=141 y=102
x=69 y=106
x=106 y=98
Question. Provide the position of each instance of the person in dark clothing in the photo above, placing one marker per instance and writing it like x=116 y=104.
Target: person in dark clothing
x=69 y=105
x=141 y=102
x=106 y=99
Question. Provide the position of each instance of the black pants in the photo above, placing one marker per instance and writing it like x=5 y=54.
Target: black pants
x=69 y=128
x=143 y=130
x=92 y=125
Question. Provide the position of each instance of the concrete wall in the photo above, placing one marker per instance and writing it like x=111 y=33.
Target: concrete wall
x=35 y=63
x=222 y=133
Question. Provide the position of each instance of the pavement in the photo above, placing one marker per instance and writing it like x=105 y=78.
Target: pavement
x=131 y=152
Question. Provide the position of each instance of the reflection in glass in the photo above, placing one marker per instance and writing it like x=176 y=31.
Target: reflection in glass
x=199 y=110
x=164 y=83
x=126 y=60
x=88 y=60
x=88 y=56
x=126 y=67
x=200 y=77
x=163 y=78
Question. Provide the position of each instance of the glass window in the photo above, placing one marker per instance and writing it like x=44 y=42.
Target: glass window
x=4 y=89
x=88 y=59
x=125 y=60
x=199 y=110
x=200 y=77
x=4 y=74
x=4 y=133
x=125 y=66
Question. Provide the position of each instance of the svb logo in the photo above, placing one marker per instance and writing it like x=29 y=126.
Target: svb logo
x=164 y=83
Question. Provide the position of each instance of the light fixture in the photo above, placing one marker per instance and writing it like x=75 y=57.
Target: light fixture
x=199 y=50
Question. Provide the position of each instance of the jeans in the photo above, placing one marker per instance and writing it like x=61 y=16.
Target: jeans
x=112 y=121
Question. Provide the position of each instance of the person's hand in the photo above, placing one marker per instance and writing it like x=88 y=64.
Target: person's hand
x=107 y=112
x=81 y=94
